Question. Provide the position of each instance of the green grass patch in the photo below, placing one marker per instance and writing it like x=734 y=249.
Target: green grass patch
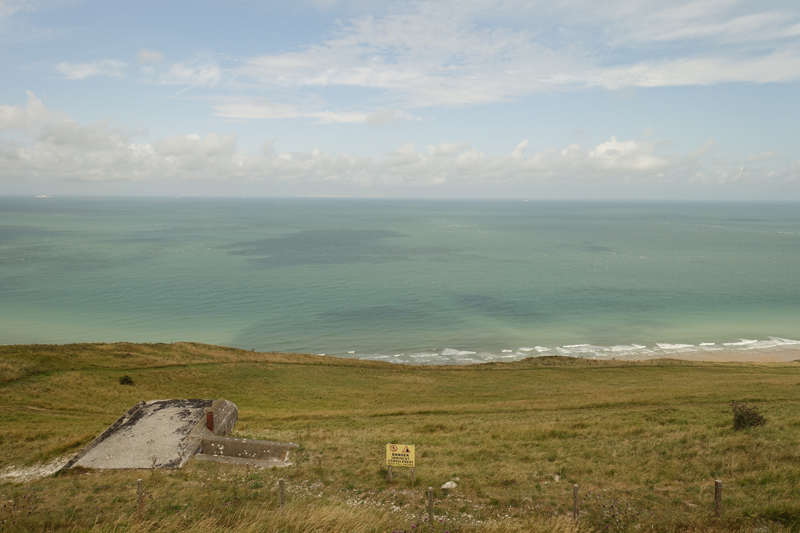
x=643 y=441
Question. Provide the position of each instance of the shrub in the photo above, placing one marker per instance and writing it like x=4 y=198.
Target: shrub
x=746 y=416
x=126 y=380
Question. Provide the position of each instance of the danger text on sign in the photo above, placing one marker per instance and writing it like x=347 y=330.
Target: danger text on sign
x=400 y=455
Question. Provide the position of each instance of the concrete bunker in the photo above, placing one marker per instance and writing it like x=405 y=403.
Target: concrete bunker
x=167 y=433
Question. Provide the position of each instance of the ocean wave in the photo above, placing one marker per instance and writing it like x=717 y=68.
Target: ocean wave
x=772 y=342
x=450 y=351
x=453 y=356
x=421 y=355
x=675 y=347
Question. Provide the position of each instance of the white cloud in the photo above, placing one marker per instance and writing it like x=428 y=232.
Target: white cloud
x=9 y=7
x=410 y=55
x=519 y=149
x=203 y=74
x=67 y=150
x=430 y=56
x=263 y=109
x=192 y=144
x=57 y=148
x=382 y=116
x=23 y=118
x=778 y=66
x=617 y=155
x=447 y=149
x=694 y=155
x=763 y=156
x=64 y=149
x=81 y=71
x=448 y=53
x=720 y=22
x=146 y=56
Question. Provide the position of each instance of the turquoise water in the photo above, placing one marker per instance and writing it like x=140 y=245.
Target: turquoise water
x=401 y=280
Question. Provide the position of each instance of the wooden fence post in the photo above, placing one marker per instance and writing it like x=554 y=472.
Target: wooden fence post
x=430 y=506
x=280 y=489
x=389 y=470
x=575 y=502
x=413 y=475
x=139 y=497
x=718 y=498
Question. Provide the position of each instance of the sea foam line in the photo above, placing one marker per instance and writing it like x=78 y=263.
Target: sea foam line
x=454 y=356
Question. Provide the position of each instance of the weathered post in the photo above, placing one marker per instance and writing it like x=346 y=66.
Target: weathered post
x=718 y=498
x=575 y=502
x=430 y=506
x=414 y=471
x=139 y=497
x=389 y=470
x=280 y=490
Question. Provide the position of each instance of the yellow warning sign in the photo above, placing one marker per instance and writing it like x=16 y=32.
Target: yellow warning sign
x=400 y=455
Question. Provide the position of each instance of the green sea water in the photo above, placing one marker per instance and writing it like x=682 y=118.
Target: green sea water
x=401 y=280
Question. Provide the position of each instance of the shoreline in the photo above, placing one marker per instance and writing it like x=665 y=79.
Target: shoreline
x=773 y=349
x=784 y=353
x=762 y=355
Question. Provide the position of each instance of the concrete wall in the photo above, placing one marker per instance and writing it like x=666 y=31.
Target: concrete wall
x=225 y=416
x=247 y=448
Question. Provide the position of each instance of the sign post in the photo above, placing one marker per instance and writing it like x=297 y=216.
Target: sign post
x=401 y=455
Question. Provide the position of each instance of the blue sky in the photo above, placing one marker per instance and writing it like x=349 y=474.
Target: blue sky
x=580 y=99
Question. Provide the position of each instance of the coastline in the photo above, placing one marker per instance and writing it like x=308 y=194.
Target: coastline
x=787 y=352
x=773 y=349
x=763 y=355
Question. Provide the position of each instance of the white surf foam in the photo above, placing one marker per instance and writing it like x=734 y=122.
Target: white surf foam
x=772 y=342
x=628 y=348
x=743 y=342
x=676 y=347
x=452 y=356
x=451 y=351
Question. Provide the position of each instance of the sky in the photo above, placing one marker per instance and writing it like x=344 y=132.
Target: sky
x=572 y=99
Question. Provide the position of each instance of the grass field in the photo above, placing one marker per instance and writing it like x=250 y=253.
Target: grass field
x=644 y=442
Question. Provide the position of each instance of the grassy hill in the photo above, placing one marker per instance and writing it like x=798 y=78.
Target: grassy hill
x=644 y=442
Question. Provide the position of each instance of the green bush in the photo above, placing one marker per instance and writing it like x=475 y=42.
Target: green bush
x=746 y=416
x=126 y=380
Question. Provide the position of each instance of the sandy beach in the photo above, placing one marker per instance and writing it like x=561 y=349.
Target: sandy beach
x=763 y=355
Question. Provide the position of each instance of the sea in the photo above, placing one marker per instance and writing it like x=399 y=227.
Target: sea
x=406 y=281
